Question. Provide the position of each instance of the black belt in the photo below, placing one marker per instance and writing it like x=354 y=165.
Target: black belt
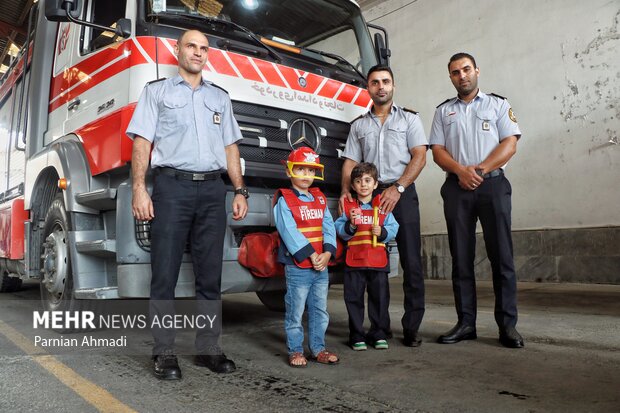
x=189 y=176
x=385 y=185
x=492 y=174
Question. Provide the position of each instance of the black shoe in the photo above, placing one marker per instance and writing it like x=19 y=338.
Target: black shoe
x=217 y=364
x=511 y=338
x=166 y=366
x=458 y=333
x=411 y=339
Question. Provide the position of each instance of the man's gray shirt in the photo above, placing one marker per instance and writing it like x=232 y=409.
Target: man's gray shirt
x=471 y=131
x=388 y=145
x=189 y=128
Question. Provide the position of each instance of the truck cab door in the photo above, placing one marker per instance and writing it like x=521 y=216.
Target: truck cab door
x=99 y=80
x=61 y=74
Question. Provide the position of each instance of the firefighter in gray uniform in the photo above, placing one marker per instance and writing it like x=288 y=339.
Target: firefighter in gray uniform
x=188 y=122
x=393 y=139
x=472 y=138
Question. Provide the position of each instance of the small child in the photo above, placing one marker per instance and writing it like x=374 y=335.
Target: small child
x=367 y=230
x=308 y=237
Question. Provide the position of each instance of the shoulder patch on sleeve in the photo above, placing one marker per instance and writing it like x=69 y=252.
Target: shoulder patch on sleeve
x=356 y=119
x=410 y=111
x=512 y=116
x=155 y=81
x=443 y=103
x=497 y=96
x=219 y=87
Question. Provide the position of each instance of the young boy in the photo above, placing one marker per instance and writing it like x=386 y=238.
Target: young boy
x=367 y=230
x=308 y=237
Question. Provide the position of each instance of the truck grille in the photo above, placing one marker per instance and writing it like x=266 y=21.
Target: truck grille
x=263 y=156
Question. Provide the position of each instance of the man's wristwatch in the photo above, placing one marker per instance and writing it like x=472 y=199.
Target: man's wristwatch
x=399 y=187
x=242 y=191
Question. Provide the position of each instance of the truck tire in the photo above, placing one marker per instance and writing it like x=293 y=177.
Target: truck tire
x=9 y=284
x=273 y=300
x=56 y=274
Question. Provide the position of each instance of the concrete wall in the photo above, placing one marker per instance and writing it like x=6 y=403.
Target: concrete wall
x=558 y=62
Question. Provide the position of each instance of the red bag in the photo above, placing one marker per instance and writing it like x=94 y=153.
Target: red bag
x=258 y=252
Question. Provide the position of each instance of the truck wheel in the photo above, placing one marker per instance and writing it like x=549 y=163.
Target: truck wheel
x=273 y=300
x=56 y=275
x=9 y=284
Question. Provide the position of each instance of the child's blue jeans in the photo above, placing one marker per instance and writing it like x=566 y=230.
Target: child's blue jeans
x=305 y=286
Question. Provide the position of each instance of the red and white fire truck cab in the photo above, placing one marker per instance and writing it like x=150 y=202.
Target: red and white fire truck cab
x=293 y=69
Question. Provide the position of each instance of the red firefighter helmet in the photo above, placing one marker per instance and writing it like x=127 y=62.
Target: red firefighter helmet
x=304 y=156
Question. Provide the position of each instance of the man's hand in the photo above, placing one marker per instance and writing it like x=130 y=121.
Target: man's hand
x=469 y=178
x=321 y=261
x=389 y=199
x=141 y=205
x=346 y=195
x=239 y=207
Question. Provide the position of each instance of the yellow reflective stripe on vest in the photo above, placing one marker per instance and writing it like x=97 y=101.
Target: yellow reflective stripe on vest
x=361 y=234
x=315 y=239
x=366 y=241
x=310 y=229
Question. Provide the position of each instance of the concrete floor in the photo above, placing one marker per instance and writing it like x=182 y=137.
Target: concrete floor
x=571 y=362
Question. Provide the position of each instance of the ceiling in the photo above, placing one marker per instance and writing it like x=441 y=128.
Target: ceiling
x=13 y=27
x=367 y=4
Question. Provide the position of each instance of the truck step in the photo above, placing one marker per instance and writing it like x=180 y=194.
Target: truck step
x=102 y=199
x=102 y=293
x=105 y=248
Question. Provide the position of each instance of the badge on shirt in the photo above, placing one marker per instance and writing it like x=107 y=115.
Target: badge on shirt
x=486 y=125
x=512 y=116
x=217 y=118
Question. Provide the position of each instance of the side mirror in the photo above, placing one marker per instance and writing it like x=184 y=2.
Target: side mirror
x=55 y=10
x=382 y=52
x=382 y=48
x=123 y=28
x=69 y=11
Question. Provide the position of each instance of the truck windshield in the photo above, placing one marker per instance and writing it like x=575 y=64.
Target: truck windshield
x=330 y=32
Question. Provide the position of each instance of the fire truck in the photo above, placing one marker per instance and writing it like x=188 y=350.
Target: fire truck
x=294 y=72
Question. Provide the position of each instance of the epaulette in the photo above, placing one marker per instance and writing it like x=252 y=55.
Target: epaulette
x=410 y=111
x=359 y=117
x=497 y=96
x=219 y=87
x=155 y=81
x=444 y=102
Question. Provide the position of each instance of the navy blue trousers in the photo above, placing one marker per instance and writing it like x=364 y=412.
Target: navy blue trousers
x=407 y=214
x=194 y=212
x=491 y=203
x=356 y=282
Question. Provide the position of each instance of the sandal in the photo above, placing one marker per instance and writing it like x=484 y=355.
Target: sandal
x=326 y=357
x=297 y=360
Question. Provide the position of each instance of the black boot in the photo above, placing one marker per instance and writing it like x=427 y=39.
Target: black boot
x=166 y=366
x=459 y=332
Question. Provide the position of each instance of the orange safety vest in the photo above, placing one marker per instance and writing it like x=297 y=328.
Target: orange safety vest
x=360 y=252
x=308 y=216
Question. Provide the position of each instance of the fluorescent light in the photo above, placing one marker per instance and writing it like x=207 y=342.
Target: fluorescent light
x=13 y=50
x=250 y=4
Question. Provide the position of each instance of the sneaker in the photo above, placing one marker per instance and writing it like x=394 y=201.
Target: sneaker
x=381 y=345
x=359 y=346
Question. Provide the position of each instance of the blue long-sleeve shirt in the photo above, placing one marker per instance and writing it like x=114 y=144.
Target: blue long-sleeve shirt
x=293 y=241
x=388 y=230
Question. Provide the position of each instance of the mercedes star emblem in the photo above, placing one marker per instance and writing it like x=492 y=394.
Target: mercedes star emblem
x=302 y=132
